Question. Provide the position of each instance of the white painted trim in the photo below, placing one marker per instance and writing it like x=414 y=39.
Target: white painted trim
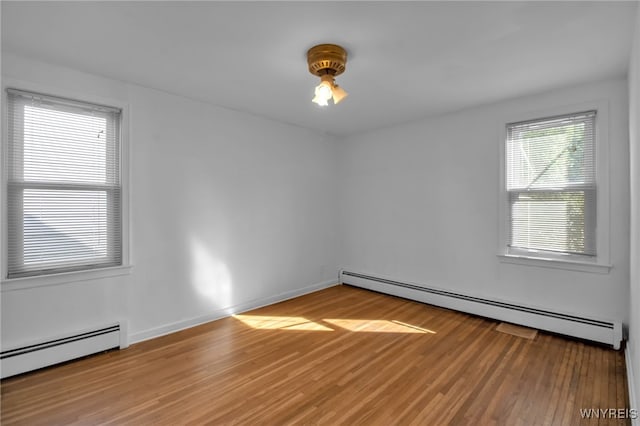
x=490 y=308
x=124 y=333
x=603 y=221
x=571 y=265
x=226 y=312
x=633 y=400
x=63 y=351
x=62 y=335
x=58 y=354
x=4 y=178
x=14 y=284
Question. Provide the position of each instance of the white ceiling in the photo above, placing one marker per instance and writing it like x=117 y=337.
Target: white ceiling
x=407 y=60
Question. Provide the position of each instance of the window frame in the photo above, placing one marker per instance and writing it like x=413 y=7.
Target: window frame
x=63 y=277
x=600 y=263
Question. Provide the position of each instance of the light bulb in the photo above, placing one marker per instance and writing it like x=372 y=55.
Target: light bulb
x=323 y=93
x=338 y=94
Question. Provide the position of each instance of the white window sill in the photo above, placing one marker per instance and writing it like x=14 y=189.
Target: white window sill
x=571 y=265
x=14 y=284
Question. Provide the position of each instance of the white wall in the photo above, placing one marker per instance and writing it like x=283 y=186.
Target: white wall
x=230 y=209
x=420 y=203
x=227 y=210
x=634 y=145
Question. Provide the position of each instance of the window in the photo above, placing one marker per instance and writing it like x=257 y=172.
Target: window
x=550 y=168
x=63 y=186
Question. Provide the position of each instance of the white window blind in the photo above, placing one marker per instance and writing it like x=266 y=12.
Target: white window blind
x=63 y=188
x=551 y=184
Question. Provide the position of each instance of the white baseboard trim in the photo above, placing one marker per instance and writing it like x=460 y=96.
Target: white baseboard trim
x=566 y=323
x=225 y=312
x=62 y=348
x=631 y=384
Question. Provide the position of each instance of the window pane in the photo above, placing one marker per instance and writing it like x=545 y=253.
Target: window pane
x=553 y=221
x=63 y=189
x=552 y=153
x=64 y=226
x=551 y=181
x=62 y=146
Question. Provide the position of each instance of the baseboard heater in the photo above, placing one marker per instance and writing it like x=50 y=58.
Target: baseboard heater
x=54 y=351
x=597 y=330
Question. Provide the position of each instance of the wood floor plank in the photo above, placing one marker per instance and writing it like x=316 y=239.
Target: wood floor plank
x=338 y=356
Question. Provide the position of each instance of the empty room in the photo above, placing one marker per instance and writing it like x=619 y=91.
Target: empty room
x=332 y=213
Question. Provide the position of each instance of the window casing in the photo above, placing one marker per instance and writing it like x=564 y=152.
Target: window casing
x=551 y=191
x=63 y=189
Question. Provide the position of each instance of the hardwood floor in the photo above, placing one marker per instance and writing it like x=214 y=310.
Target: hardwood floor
x=338 y=356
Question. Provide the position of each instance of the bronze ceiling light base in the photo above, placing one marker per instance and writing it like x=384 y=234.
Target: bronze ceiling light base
x=327 y=61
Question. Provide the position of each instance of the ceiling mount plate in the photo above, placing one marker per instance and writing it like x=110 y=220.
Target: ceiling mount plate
x=327 y=59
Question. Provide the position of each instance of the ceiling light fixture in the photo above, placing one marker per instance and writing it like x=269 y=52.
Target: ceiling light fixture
x=327 y=61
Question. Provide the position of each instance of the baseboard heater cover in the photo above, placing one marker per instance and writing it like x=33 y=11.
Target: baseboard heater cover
x=597 y=330
x=54 y=351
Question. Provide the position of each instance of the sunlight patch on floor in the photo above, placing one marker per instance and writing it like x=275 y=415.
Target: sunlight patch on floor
x=377 y=326
x=280 y=323
x=266 y=322
x=424 y=330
